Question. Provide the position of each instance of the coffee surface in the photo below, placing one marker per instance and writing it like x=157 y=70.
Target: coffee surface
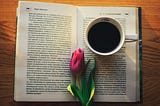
x=103 y=37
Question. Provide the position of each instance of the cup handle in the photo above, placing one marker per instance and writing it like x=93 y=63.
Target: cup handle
x=131 y=38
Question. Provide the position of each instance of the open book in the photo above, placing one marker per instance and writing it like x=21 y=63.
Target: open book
x=48 y=33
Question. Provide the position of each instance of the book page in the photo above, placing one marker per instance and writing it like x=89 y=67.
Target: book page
x=116 y=75
x=45 y=40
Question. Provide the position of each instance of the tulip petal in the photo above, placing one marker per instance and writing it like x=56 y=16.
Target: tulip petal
x=77 y=62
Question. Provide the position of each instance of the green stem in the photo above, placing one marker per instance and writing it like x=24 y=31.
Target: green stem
x=78 y=81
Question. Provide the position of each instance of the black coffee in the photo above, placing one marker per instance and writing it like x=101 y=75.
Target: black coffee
x=104 y=37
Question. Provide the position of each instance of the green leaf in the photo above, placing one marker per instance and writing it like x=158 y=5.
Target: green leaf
x=77 y=92
x=91 y=92
x=85 y=92
x=91 y=85
x=69 y=89
x=90 y=80
x=87 y=64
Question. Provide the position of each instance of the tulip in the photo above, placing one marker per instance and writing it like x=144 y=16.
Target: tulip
x=82 y=88
x=77 y=62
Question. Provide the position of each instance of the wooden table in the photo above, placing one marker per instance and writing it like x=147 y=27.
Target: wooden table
x=151 y=50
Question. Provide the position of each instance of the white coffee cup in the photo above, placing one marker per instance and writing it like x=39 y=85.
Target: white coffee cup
x=96 y=46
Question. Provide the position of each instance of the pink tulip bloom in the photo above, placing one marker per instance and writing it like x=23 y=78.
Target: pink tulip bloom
x=77 y=62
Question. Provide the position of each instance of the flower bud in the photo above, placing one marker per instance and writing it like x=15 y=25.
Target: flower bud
x=77 y=62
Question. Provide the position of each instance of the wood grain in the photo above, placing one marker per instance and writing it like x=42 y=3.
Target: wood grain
x=151 y=50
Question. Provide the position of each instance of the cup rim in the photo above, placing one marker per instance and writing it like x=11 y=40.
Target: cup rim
x=116 y=24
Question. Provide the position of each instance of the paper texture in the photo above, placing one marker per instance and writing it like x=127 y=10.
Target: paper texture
x=47 y=34
x=45 y=39
x=116 y=75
